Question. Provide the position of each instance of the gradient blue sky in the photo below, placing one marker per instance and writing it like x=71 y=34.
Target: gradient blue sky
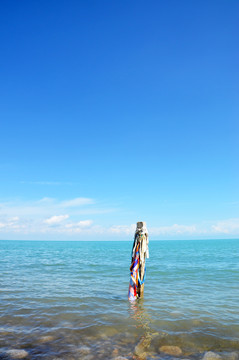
x=117 y=111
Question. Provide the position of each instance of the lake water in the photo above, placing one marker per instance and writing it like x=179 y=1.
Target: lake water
x=68 y=300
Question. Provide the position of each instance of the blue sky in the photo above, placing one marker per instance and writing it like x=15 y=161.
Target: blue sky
x=114 y=112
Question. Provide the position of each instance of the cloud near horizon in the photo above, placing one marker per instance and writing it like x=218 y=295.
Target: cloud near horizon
x=228 y=226
x=51 y=216
x=47 y=215
x=175 y=229
x=46 y=207
x=56 y=219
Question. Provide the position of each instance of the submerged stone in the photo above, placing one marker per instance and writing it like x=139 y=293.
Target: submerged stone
x=210 y=355
x=17 y=353
x=231 y=356
x=171 y=350
x=139 y=351
x=84 y=350
x=44 y=339
x=87 y=357
x=115 y=352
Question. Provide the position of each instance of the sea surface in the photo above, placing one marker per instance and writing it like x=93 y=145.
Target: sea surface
x=68 y=300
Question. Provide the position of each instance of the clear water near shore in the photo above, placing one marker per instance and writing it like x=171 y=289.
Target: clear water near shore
x=68 y=300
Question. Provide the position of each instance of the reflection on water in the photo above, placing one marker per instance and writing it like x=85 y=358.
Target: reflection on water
x=143 y=320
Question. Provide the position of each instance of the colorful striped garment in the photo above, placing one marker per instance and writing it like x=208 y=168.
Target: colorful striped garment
x=134 y=276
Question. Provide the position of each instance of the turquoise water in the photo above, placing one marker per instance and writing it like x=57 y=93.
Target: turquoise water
x=68 y=300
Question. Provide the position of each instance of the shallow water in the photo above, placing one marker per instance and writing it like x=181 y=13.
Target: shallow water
x=68 y=300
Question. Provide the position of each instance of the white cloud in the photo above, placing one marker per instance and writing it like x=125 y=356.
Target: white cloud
x=79 y=224
x=45 y=207
x=85 y=223
x=76 y=202
x=12 y=224
x=46 y=215
x=74 y=217
x=174 y=229
x=56 y=219
x=229 y=226
x=42 y=182
x=15 y=218
x=46 y=200
x=122 y=229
